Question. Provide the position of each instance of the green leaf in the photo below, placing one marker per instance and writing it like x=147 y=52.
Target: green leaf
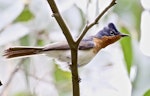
x=130 y=11
x=26 y=15
x=126 y=45
x=61 y=75
x=62 y=81
x=40 y=42
x=147 y=93
x=24 y=41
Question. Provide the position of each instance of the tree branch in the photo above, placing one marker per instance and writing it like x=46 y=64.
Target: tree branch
x=61 y=22
x=74 y=45
x=87 y=27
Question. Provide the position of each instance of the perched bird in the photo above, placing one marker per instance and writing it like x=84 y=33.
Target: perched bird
x=87 y=49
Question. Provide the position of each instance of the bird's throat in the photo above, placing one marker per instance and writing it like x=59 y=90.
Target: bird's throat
x=104 y=41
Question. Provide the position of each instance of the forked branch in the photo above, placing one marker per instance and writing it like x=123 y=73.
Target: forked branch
x=74 y=45
x=87 y=27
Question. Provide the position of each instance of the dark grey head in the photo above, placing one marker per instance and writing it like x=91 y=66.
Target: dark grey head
x=110 y=30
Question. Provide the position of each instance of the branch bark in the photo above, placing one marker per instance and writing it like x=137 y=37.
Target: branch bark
x=73 y=47
x=74 y=44
x=61 y=22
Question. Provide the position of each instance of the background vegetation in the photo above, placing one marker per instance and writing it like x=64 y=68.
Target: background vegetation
x=113 y=71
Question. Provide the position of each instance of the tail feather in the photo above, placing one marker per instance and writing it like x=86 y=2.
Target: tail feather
x=21 y=51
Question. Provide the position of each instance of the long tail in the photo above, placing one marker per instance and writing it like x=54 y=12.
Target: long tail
x=21 y=51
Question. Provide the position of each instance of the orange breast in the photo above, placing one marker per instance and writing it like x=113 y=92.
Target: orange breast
x=104 y=41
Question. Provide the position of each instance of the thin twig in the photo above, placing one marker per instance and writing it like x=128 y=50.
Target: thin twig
x=36 y=77
x=11 y=76
x=87 y=27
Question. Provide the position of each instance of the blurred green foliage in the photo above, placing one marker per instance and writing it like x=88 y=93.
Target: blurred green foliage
x=126 y=45
x=62 y=81
x=26 y=15
x=24 y=41
x=147 y=93
x=130 y=9
x=23 y=94
x=61 y=75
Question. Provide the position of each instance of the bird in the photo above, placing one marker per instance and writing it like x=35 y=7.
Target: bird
x=87 y=49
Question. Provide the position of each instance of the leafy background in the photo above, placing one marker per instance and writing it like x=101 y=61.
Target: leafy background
x=113 y=72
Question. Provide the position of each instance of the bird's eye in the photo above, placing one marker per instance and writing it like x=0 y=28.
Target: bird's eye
x=112 y=32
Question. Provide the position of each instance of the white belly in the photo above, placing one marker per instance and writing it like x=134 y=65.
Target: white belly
x=84 y=56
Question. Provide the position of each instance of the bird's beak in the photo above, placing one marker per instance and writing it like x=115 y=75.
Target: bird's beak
x=124 y=35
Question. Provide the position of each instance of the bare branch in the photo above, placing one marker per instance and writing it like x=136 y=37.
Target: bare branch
x=87 y=27
x=11 y=76
x=74 y=45
x=61 y=22
x=36 y=77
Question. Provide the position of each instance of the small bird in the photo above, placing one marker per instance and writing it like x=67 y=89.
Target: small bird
x=87 y=49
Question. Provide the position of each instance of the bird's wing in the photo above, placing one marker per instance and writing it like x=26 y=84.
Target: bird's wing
x=84 y=45
x=57 y=46
x=87 y=44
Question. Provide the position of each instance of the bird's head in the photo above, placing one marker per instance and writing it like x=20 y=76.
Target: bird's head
x=109 y=35
x=109 y=31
